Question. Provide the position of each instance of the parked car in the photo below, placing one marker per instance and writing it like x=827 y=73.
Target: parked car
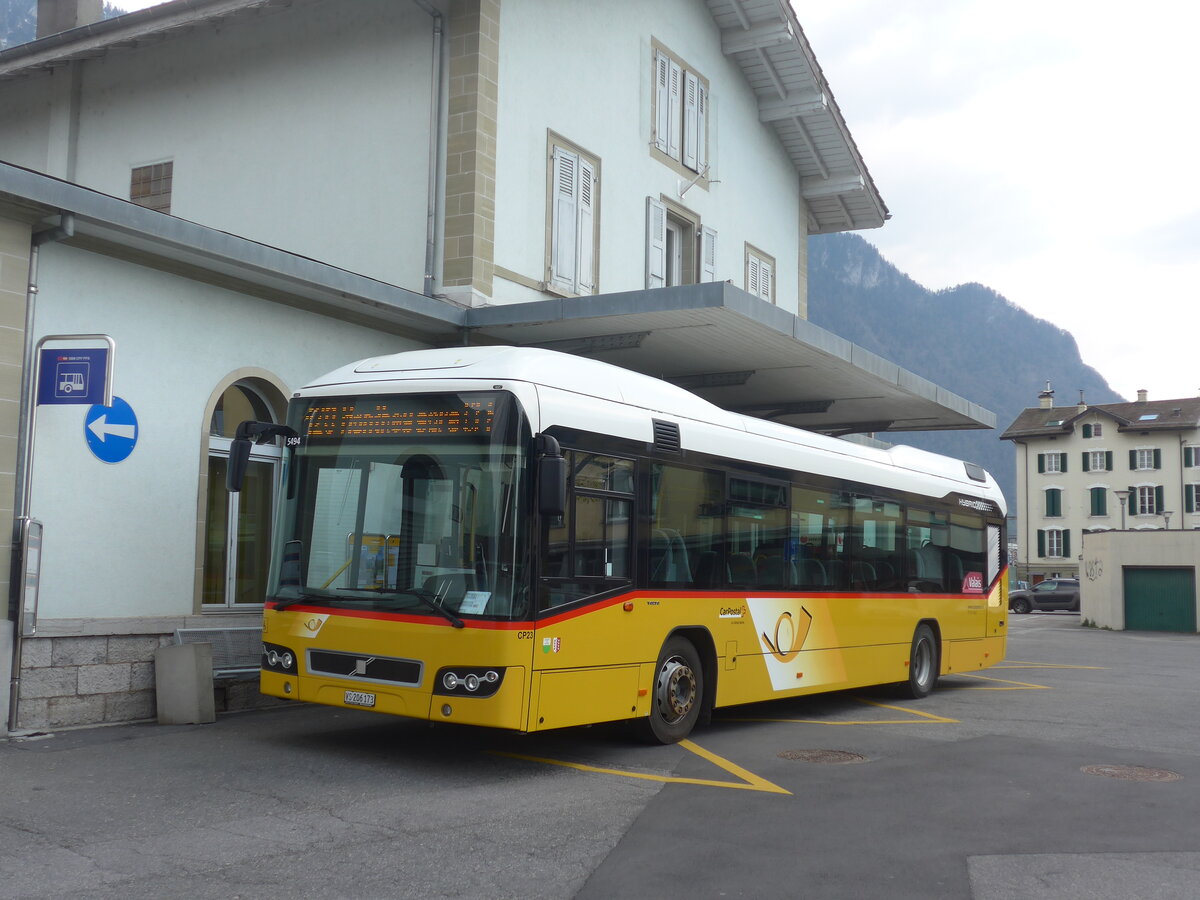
x=1053 y=593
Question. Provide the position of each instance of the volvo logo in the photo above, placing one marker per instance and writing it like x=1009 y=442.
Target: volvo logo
x=360 y=666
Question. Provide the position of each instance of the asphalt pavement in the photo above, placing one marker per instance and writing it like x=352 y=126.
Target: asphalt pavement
x=1072 y=770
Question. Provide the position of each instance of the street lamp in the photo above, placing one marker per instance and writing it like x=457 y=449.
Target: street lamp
x=1122 y=496
x=1167 y=519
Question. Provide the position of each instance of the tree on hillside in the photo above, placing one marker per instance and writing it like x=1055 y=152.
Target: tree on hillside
x=968 y=339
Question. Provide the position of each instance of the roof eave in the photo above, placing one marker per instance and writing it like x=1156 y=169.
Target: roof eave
x=120 y=32
x=765 y=39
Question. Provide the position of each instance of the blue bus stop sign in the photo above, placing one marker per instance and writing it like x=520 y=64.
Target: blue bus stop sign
x=73 y=375
x=111 y=431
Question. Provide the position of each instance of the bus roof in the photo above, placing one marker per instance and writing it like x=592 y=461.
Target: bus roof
x=581 y=376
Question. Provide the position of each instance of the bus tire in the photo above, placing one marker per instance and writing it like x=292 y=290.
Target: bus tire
x=922 y=663
x=677 y=693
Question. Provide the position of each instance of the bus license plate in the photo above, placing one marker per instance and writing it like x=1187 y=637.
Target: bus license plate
x=359 y=698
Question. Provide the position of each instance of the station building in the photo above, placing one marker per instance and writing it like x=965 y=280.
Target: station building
x=235 y=196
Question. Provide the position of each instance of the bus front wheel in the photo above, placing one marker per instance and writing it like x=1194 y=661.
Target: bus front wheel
x=922 y=663
x=677 y=694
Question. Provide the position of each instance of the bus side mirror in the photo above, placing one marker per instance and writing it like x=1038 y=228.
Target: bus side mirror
x=239 y=459
x=551 y=477
x=247 y=435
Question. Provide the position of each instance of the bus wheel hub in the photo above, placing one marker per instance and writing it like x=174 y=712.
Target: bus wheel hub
x=676 y=689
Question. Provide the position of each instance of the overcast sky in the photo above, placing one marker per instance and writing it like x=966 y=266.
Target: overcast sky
x=1045 y=149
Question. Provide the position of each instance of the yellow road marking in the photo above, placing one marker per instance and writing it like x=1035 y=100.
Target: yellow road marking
x=1012 y=685
x=1013 y=664
x=912 y=712
x=930 y=717
x=750 y=781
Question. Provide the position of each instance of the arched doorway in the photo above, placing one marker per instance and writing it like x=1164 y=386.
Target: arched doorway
x=237 y=530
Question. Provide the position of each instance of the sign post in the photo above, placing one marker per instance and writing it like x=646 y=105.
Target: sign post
x=62 y=376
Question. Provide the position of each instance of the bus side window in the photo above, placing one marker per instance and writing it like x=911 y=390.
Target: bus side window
x=927 y=536
x=685 y=511
x=588 y=550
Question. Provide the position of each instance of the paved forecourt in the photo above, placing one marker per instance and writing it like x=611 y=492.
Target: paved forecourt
x=1071 y=770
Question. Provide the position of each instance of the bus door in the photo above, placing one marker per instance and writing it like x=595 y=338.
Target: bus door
x=585 y=661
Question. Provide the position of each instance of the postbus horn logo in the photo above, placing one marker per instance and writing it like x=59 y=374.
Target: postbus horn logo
x=790 y=635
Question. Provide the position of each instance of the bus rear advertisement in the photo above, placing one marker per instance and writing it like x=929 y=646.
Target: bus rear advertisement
x=522 y=539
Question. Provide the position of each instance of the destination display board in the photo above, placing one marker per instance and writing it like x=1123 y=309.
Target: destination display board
x=441 y=415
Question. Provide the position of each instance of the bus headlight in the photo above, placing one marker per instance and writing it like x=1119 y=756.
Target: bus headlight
x=468 y=681
x=278 y=659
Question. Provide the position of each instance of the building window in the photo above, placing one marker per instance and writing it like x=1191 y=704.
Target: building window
x=1191 y=498
x=1053 y=502
x=150 y=186
x=1143 y=460
x=680 y=112
x=679 y=250
x=760 y=274
x=1054 y=543
x=1092 y=431
x=237 y=528
x=1099 y=501
x=574 y=217
x=1191 y=457
x=1097 y=430
x=1052 y=462
x=1097 y=460
x=1146 y=500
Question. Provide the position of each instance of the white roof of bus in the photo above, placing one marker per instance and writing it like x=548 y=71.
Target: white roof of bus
x=589 y=377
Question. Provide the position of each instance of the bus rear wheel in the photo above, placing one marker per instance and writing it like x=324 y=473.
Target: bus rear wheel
x=922 y=663
x=678 y=693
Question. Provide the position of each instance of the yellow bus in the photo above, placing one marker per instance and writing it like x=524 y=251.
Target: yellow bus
x=521 y=539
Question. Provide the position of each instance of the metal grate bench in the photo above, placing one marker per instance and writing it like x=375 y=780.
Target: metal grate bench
x=236 y=651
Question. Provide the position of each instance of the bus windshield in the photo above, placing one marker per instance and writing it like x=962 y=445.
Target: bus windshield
x=406 y=503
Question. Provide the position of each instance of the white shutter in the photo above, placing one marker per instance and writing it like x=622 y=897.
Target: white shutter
x=674 y=111
x=708 y=254
x=656 y=243
x=764 y=280
x=662 y=100
x=701 y=126
x=586 y=275
x=752 y=275
x=564 y=235
x=691 y=90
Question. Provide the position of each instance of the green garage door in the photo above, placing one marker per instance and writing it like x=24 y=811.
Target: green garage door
x=1160 y=599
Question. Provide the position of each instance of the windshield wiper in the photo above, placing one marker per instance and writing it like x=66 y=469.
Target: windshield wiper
x=292 y=601
x=430 y=599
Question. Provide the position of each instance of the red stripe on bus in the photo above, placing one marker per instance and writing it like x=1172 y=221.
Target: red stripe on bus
x=566 y=615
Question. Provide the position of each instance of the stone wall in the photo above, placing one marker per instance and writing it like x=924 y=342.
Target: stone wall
x=95 y=679
x=87 y=680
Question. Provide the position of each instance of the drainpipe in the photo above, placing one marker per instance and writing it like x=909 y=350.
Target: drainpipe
x=436 y=125
x=64 y=229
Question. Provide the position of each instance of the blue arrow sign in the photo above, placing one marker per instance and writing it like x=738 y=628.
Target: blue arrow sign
x=111 y=431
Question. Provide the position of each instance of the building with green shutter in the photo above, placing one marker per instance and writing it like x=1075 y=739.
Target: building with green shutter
x=1084 y=469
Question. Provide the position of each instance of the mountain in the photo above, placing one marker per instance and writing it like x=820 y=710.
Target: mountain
x=968 y=338
x=18 y=20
